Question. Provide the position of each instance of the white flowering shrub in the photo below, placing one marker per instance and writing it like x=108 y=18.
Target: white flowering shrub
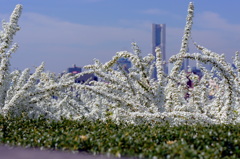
x=129 y=96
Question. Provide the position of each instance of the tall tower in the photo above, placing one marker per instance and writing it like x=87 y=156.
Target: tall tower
x=159 y=39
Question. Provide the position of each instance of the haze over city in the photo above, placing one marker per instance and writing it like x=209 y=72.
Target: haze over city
x=66 y=32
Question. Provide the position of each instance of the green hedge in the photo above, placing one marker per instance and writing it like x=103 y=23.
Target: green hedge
x=215 y=141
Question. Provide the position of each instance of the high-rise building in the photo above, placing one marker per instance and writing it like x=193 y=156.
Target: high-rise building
x=185 y=64
x=159 y=40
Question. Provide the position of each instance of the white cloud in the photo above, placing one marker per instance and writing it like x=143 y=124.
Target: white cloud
x=61 y=44
x=217 y=33
x=163 y=13
x=155 y=12
x=209 y=30
x=45 y=30
x=211 y=20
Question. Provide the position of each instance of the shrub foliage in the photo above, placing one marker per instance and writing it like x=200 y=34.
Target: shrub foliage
x=143 y=140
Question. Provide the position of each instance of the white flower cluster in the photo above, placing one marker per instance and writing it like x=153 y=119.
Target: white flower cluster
x=125 y=96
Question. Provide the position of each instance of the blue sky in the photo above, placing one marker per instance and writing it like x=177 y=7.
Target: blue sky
x=66 y=32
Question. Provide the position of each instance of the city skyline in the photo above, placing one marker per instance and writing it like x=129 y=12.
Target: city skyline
x=62 y=33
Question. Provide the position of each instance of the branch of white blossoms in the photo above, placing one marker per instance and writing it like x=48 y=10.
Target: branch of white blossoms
x=6 y=49
x=122 y=85
x=172 y=93
x=185 y=40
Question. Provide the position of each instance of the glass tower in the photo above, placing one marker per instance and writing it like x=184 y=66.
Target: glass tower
x=159 y=40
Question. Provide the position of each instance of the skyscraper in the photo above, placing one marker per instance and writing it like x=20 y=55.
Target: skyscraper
x=159 y=40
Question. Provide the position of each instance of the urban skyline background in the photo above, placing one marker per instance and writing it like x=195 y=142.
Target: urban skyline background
x=62 y=33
